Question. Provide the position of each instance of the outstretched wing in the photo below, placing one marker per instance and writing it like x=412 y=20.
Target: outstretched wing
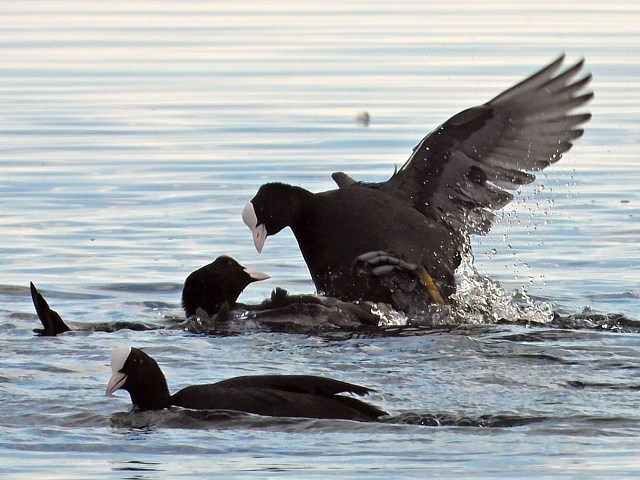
x=462 y=171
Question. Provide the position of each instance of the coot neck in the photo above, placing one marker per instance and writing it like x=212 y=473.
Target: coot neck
x=151 y=393
x=298 y=200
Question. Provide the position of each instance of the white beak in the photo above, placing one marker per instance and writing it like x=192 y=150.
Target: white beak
x=259 y=232
x=259 y=236
x=115 y=382
x=256 y=275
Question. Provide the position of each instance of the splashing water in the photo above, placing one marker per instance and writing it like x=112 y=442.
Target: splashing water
x=478 y=300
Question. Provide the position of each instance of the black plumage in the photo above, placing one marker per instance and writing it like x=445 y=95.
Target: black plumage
x=52 y=323
x=391 y=241
x=270 y=395
x=209 y=299
x=220 y=282
x=212 y=291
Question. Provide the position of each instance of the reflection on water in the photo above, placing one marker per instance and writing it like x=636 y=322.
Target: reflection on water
x=133 y=133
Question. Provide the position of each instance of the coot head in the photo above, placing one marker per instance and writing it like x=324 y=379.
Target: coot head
x=221 y=281
x=139 y=374
x=274 y=207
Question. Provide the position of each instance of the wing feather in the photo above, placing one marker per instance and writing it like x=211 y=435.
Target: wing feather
x=462 y=171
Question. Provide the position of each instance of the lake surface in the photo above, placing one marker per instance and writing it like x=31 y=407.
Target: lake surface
x=131 y=135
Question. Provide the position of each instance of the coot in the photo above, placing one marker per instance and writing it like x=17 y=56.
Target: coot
x=209 y=299
x=270 y=395
x=400 y=241
x=215 y=284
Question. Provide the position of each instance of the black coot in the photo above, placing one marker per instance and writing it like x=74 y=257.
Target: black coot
x=220 y=282
x=215 y=287
x=400 y=241
x=271 y=395
x=209 y=299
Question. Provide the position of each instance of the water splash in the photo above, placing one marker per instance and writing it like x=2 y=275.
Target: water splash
x=478 y=300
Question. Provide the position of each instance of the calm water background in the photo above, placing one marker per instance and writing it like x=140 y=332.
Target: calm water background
x=131 y=135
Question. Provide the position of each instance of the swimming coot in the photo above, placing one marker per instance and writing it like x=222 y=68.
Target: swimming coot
x=270 y=395
x=400 y=241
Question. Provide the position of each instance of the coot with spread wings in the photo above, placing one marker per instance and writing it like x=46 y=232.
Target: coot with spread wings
x=400 y=241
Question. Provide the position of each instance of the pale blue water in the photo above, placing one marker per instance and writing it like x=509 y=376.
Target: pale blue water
x=131 y=135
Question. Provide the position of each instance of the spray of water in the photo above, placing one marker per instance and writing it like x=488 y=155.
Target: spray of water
x=478 y=300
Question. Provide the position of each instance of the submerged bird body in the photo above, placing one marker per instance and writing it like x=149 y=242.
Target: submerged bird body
x=53 y=324
x=270 y=395
x=400 y=241
x=209 y=300
x=212 y=290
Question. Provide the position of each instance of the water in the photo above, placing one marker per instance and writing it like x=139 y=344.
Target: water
x=133 y=133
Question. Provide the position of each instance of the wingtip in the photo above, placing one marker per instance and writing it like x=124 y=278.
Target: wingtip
x=39 y=302
x=555 y=64
x=364 y=391
x=563 y=56
x=51 y=320
x=579 y=63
